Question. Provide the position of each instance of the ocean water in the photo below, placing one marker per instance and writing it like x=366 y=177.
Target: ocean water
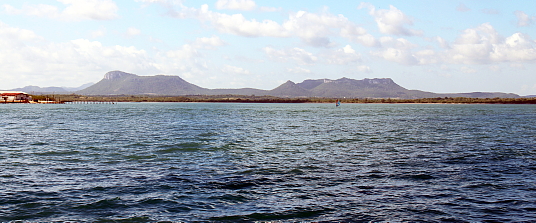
x=212 y=162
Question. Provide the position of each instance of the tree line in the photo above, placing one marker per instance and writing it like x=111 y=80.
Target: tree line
x=273 y=99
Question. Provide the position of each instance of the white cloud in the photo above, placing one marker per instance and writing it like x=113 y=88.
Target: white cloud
x=92 y=9
x=187 y=51
x=133 y=31
x=270 y=9
x=480 y=45
x=297 y=55
x=442 y=42
x=74 y=10
x=462 y=8
x=298 y=70
x=404 y=57
x=188 y=60
x=341 y=56
x=399 y=43
x=190 y=51
x=467 y=70
x=392 y=21
x=484 y=45
x=36 y=60
x=166 y=2
x=400 y=51
x=523 y=19
x=495 y=68
x=366 y=40
x=40 y=10
x=364 y=69
x=427 y=56
x=516 y=48
x=314 y=29
x=243 y=5
x=208 y=43
x=100 y=56
x=483 y=33
x=236 y=24
x=235 y=70
x=13 y=34
x=98 y=33
x=348 y=49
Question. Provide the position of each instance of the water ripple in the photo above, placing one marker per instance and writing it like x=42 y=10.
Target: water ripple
x=197 y=162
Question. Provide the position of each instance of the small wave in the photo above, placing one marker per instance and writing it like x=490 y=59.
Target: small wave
x=484 y=185
x=157 y=201
x=125 y=220
x=231 y=198
x=137 y=145
x=221 y=163
x=234 y=185
x=376 y=176
x=295 y=214
x=105 y=204
x=208 y=134
x=181 y=147
x=140 y=157
x=58 y=153
x=346 y=140
x=421 y=176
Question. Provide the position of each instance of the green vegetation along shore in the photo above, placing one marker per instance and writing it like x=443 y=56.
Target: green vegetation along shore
x=73 y=98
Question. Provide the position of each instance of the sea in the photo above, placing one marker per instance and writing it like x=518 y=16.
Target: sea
x=246 y=162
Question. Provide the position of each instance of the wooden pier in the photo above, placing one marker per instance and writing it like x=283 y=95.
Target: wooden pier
x=90 y=102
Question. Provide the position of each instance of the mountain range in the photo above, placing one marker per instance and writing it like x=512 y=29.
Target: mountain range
x=122 y=83
x=59 y=90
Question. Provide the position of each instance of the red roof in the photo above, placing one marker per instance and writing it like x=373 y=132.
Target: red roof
x=11 y=94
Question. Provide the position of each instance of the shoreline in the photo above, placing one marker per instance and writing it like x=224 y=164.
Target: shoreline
x=253 y=102
x=82 y=99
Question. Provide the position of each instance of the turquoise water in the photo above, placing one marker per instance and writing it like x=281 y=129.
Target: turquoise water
x=264 y=162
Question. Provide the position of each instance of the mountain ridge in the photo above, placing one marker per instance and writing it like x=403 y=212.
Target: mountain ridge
x=59 y=90
x=123 y=83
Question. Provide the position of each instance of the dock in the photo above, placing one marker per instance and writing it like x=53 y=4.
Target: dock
x=89 y=102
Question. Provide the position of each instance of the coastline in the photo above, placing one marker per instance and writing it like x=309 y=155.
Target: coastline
x=110 y=99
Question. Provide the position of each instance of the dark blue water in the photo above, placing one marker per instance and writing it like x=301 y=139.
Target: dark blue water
x=266 y=162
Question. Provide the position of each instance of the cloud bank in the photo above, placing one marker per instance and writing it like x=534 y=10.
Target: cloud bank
x=75 y=10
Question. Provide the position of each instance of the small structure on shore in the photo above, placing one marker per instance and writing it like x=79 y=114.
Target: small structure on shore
x=14 y=97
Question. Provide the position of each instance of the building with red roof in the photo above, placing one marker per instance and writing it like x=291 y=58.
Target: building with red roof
x=14 y=97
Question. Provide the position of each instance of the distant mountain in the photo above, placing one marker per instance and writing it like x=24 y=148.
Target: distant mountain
x=122 y=83
x=118 y=82
x=36 y=89
x=373 y=88
x=60 y=90
x=72 y=89
x=484 y=95
x=290 y=89
x=240 y=91
x=366 y=88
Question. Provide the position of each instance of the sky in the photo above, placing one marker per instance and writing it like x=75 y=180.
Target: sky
x=443 y=46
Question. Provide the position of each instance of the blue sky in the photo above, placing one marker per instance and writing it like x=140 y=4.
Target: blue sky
x=441 y=46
